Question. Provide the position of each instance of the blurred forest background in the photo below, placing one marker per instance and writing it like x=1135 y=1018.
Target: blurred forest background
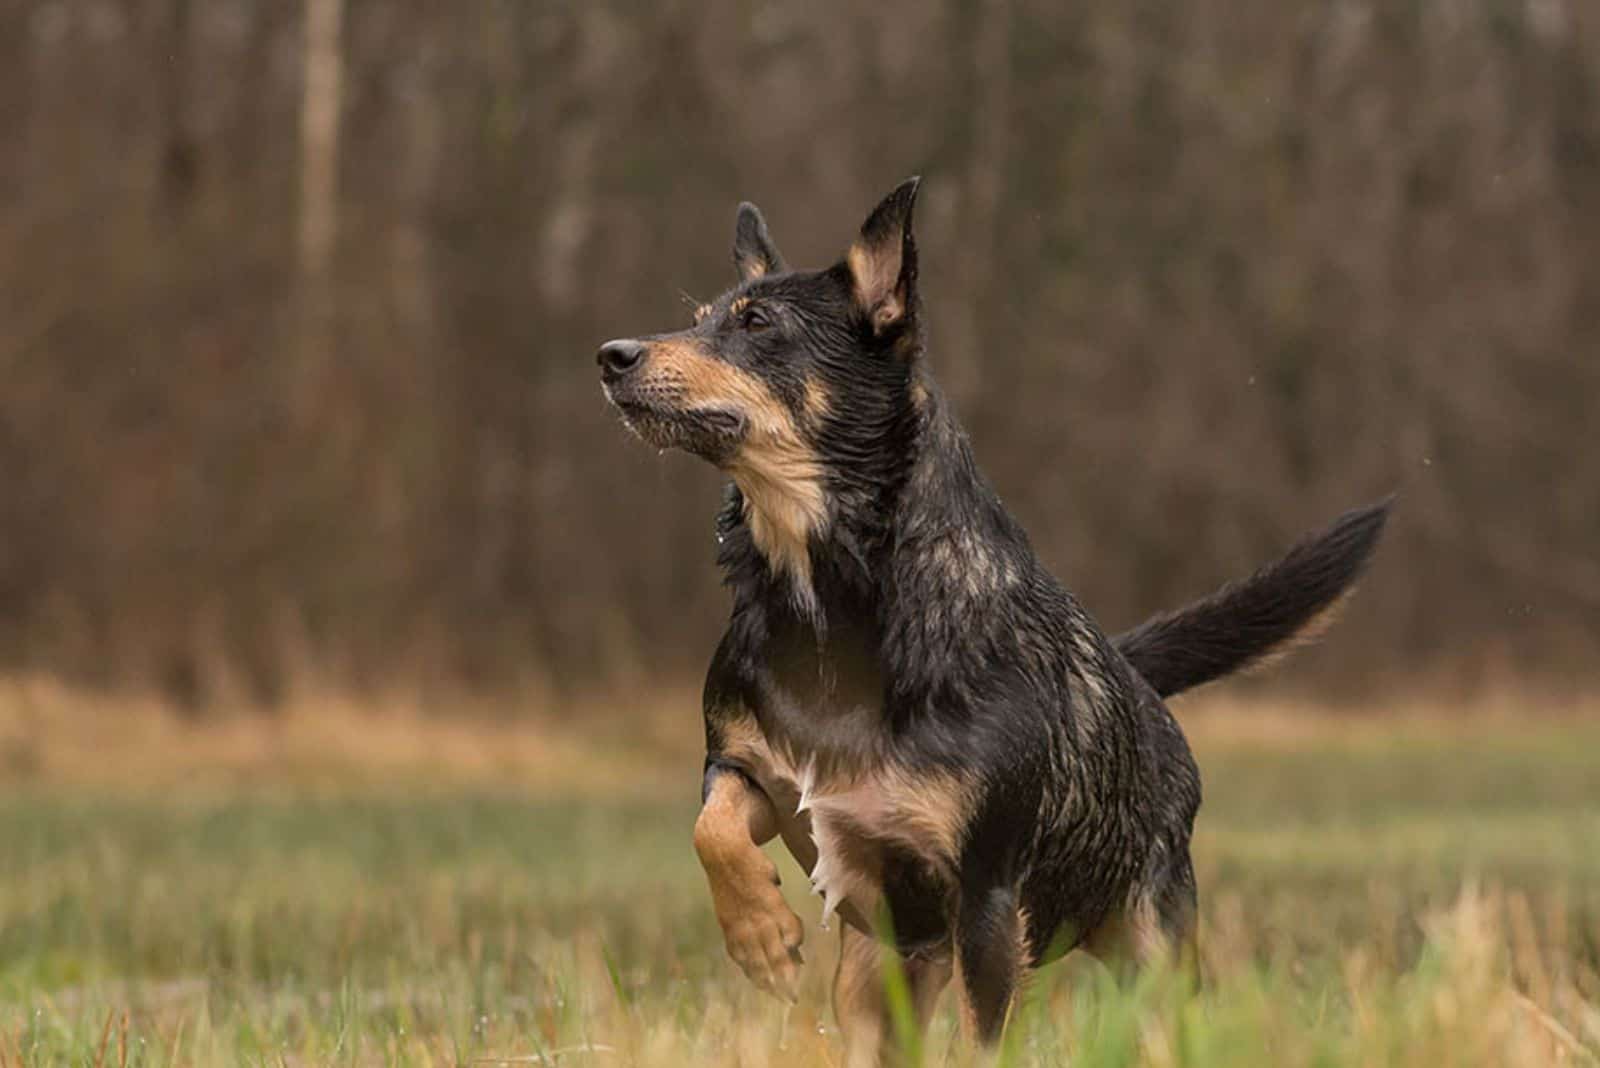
x=299 y=301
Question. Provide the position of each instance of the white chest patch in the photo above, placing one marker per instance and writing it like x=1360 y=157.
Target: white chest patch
x=847 y=867
x=837 y=823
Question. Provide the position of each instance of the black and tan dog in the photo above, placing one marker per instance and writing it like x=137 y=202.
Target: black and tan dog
x=936 y=728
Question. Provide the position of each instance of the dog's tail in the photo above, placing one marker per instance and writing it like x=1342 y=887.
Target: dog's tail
x=1286 y=603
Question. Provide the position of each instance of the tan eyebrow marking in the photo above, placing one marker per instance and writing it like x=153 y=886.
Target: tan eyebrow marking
x=701 y=312
x=739 y=305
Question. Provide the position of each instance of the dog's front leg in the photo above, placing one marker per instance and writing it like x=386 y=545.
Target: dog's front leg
x=762 y=932
x=991 y=954
x=860 y=994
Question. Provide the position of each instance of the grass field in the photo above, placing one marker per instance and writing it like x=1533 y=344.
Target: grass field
x=1420 y=894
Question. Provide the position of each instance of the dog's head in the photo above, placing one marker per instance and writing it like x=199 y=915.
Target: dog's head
x=789 y=377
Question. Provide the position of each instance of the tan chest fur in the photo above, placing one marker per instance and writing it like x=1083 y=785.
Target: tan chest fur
x=838 y=812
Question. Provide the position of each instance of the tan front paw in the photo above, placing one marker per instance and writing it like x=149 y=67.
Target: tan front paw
x=762 y=932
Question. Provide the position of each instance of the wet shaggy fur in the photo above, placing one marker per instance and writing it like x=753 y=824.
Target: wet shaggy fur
x=940 y=733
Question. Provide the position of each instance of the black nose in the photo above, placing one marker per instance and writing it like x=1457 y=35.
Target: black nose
x=617 y=358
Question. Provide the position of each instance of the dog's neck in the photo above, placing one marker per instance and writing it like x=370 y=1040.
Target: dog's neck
x=911 y=529
x=784 y=506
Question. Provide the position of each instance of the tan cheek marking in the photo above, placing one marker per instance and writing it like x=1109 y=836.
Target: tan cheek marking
x=776 y=469
x=709 y=382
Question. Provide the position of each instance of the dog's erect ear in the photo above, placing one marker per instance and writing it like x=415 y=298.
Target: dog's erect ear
x=753 y=251
x=883 y=260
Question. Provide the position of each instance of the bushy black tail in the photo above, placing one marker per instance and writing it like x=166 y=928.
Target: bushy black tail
x=1286 y=602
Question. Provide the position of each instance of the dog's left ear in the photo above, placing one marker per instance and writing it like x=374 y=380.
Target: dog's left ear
x=883 y=261
x=754 y=254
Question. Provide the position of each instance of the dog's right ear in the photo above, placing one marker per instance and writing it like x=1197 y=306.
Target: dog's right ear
x=754 y=254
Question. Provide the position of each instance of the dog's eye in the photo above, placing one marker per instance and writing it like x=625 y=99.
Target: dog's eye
x=755 y=319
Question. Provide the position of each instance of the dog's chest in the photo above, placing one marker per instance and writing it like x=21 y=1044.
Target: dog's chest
x=867 y=834
x=852 y=810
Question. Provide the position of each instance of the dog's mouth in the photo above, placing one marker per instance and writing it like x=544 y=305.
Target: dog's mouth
x=710 y=433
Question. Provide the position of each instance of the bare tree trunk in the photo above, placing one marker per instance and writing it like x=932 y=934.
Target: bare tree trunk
x=985 y=184
x=180 y=162
x=319 y=169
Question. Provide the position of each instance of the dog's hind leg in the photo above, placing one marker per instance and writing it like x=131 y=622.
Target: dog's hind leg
x=860 y=995
x=1155 y=927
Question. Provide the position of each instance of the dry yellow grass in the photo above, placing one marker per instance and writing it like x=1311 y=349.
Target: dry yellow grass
x=50 y=733
x=635 y=743
x=378 y=882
